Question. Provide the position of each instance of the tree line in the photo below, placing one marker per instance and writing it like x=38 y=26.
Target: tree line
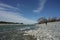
x=44 y=20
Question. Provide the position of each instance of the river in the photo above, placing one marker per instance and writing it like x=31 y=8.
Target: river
x=17 y=27
x=16 y=32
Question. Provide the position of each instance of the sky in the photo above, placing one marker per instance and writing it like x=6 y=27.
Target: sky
x=28 y=11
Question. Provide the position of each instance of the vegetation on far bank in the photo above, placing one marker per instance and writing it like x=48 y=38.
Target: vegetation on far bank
x=40 y=21
x=4 y=22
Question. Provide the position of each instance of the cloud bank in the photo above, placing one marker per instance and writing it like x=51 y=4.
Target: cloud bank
x=12 y=14
x=41 y=6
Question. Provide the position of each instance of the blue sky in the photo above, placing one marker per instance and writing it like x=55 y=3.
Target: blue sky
x=28 y=11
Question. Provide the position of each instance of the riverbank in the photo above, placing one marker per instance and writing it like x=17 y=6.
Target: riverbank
x=51 y=31
x=10 y=24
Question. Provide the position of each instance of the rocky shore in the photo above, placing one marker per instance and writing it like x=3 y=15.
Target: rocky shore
x=51 y=31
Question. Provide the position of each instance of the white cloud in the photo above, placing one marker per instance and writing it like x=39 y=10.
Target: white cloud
x=41 y=6
x=2 y=8
x=8 y=6
x=12 y=16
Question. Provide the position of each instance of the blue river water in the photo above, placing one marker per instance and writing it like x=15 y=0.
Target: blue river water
x=17 y=27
